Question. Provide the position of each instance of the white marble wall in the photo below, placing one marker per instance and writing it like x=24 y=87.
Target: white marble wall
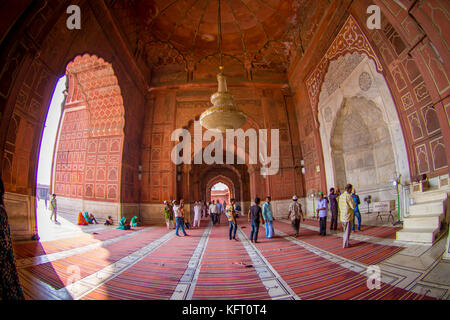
x=372 y=86
x=21 y=215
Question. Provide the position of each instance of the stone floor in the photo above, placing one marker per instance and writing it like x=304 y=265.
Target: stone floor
x=415 y=268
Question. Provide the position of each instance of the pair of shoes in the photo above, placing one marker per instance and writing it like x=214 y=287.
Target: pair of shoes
x=177 y=235
x=186 y=235
x=255 y=241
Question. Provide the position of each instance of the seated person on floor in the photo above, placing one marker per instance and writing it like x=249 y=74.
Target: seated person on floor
x=123 y=224
x=89 y=217
x=81 y=220
x=135 y=222
x=109 y=221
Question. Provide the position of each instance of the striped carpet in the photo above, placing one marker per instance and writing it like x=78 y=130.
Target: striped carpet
x=363 y=252
x=313 y=277
x=156 y=276
x=223 y=274
x=56 y=273
x=367 y=230
x=34 y=249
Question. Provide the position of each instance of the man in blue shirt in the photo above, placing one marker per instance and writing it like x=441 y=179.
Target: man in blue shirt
x=322 y=210
x=268 y=218
x=220 y=209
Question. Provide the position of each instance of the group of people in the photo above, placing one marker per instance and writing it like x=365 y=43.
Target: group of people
x=344 y=207
x=86 y=219
x=175 y=209
x=125 y=225
x=256 y=214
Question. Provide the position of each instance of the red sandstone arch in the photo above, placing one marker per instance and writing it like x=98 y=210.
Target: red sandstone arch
x=91 y=131
x=225 y=180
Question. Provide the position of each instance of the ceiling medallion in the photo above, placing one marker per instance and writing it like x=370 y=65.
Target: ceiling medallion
x=223 y=114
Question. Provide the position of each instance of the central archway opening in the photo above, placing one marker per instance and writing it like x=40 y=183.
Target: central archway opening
x=220 y=193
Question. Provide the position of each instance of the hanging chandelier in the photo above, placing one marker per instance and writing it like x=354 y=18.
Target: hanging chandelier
x=223 y=114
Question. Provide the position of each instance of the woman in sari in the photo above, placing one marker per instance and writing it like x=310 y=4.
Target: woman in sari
x=123 y=225
x=10 y=288
x=168 y=215
x=89 y=218
x=135 y=222
x=81 y=220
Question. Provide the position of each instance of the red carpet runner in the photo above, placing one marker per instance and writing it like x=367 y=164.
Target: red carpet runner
x=223 y=273
x=56 y=274
x=313 y=277
x=154 y=277
x=364 y=252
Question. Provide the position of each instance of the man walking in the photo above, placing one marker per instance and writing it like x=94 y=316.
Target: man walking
x=179 y=217
x=333 y=196
x=255 y=217
x=197 y=214
x=231 y=215
x=53 y=207
x=220 y=209
x=268 y=217
x=322 y=209
x=213 y=212
x=295 y=213
x=346 y=207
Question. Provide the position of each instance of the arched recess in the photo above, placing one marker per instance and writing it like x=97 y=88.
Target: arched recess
x=353 y=89
x=223 y=179
x=361 y=147
x=88 y=153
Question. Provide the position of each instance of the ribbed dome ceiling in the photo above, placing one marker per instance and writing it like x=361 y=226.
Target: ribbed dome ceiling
x=191 y=25
x=246 y=24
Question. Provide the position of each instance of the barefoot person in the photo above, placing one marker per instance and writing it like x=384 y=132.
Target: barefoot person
x=197 y=214
x=255 y=217
x=135 y=222
x=81 y=220
x=231 y=215
x=295 y=213
x=124 y=224
x=179 y=218
x=268 y=217
x=346 y=207
x=168 y=215
x=53 y=207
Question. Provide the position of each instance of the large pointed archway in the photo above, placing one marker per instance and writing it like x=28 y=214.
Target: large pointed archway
x=87 y=161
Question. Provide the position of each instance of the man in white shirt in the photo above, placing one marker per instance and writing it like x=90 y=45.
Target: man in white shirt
x=178 y=212
x=197 y=214
x=213 y=211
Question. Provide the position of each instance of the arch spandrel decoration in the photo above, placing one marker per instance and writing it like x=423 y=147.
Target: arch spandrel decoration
x=349 y=39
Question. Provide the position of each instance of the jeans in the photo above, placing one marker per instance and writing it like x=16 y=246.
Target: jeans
x=255 y=230
x=356 y=214
x=180 y=223
x=233 y=229
x=269 y=229
x=323 y=226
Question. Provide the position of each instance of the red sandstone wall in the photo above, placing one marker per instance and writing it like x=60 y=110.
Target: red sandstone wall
x=176 y=108
x=417 y=78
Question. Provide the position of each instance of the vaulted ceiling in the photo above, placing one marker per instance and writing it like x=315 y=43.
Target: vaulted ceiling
x=181 y=34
